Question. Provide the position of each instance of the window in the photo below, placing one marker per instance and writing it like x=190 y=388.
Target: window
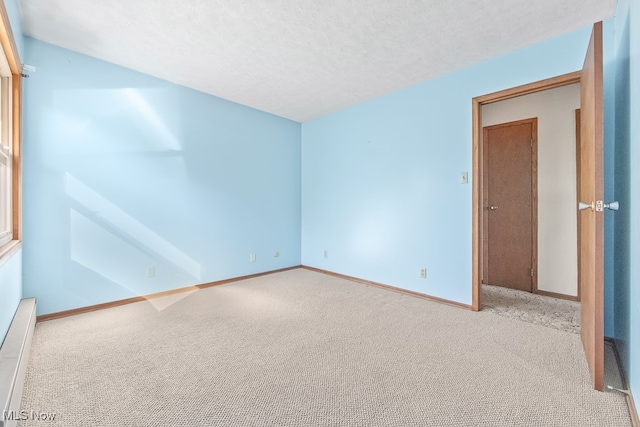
x=6 y=155
x=10 y=119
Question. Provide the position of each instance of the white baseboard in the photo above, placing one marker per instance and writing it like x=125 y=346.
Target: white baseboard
x=14 y=358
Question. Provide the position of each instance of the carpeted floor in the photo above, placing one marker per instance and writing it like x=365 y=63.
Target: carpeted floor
x=533 y=308
x=555 y=313
x=299 y=348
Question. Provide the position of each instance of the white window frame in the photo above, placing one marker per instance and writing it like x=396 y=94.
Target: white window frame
x=6 y=153
x=10 y=140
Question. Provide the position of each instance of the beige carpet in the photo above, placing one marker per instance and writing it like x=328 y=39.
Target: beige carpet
x=300 y=348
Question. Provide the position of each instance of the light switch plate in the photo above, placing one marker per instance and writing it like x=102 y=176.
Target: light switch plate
x=464 y=177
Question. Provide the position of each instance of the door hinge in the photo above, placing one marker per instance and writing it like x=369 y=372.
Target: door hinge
x=532 y=272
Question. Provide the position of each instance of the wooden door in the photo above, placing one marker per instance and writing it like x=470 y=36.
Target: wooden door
x=509 y=201
x=591 y=192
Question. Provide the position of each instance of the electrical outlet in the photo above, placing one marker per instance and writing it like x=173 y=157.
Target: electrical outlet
x=423 y=273
x=252 y=257
x=326 y=254
x=151 y=271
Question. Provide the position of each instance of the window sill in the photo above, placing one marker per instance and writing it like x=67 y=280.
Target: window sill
x=7 y=250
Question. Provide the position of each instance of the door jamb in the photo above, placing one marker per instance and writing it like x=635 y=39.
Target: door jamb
x=477 y=144
x=578 y=175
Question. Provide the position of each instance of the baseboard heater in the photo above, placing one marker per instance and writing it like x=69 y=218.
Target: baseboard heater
x=14 y=358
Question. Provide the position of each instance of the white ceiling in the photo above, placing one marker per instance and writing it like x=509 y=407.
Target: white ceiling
x=301 y=59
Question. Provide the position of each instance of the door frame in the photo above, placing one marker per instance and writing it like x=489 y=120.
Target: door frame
x=477 y=237
x=534 y=197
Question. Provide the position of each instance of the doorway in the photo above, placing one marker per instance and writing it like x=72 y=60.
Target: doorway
x=544 y=251
x=554 y=261
x=479 y=211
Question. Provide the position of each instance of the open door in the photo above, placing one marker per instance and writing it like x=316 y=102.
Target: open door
x=591 y=192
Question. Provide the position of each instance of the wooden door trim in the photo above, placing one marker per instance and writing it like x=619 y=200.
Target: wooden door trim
x=534 y=192
x=534 y=205
x=477 y=174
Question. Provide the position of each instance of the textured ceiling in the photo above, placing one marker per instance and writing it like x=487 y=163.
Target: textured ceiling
x=301 y=59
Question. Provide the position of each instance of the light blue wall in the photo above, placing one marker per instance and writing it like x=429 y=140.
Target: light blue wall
x=609 y=113
x=123 y=171
x=11 y=269
x=627 y=190
x=380 y=180
x=634 y=205
x=622 y=184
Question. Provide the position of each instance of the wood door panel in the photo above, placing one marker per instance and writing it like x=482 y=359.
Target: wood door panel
x=591 y=251
x=509 y=204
